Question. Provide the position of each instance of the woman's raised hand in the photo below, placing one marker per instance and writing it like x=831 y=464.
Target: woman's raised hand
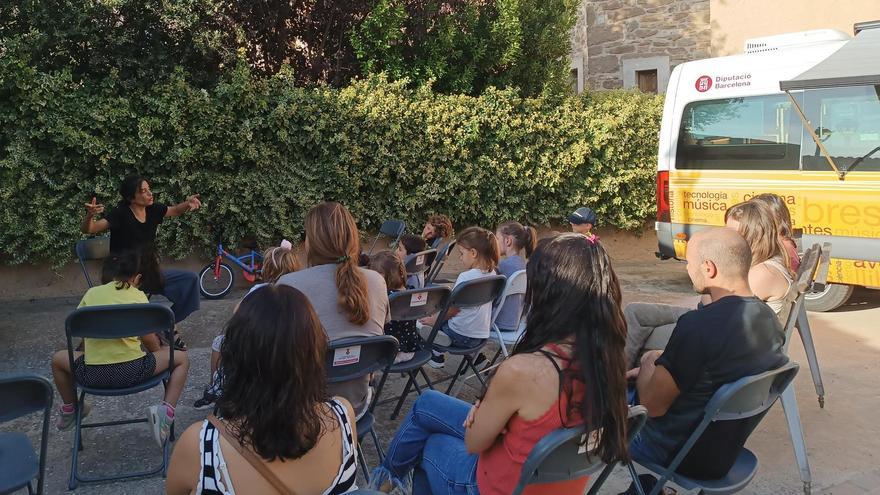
x=94 y=208
x=194 y=202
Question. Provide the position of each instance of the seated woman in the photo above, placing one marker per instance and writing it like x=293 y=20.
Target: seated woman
x=437 y=228
x=119 y=363
x=567 y=369
x=350 y=301
x=649 y=326
x=274 y=419
x=514 y=240
x=777 y=205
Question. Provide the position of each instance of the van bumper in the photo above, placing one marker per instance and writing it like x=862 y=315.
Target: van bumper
x=665 y=248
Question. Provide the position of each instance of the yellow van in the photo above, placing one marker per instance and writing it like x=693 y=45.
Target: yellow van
x=734 y=127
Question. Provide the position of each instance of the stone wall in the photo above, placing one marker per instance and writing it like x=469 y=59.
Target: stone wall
x=608 y=32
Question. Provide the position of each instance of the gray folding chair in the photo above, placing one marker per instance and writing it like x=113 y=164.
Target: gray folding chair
x=439 y=261
x=748 y=397
x=392 y=229
x=353 y=358
x=94 y=249
x=416 y=263
x=23 y=394
x=114 y=322
x=411 y=305
x=562 y=455
x=791 y=316
x=516 y=285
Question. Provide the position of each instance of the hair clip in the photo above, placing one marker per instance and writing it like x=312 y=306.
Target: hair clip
x=342 y=259
x=285 y=244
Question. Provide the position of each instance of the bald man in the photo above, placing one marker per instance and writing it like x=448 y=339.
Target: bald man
x=736 y=335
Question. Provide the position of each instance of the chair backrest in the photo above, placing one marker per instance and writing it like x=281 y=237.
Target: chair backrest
x=802 y=283
x=745 y=398
x=514 y=285
x=562 y=454
x=389 y=228
x=418 y=303
x=439 y=260
x=417 y=262
x=353 y=357
x=94 y=249
x=22 y=394
x=472 y=293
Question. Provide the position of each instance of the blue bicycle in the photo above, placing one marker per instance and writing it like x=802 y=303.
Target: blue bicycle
x=217 y=278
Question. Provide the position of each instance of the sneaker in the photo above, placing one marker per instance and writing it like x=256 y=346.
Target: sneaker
x=437 y=361
x=66 y=420
x=206 y=401
x=160 y=423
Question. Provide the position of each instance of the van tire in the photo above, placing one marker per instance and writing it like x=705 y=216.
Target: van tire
x=834 y=296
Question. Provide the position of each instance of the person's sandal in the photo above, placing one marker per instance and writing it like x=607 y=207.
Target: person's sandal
x=179 y=344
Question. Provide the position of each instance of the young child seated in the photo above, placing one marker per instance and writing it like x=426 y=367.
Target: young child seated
x=277 y=261
x=466 y=327
x=390 y=266
x=513 y=239
x=119 y=363
x=411 y=244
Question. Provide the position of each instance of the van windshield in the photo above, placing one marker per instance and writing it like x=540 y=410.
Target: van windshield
x=847 y=121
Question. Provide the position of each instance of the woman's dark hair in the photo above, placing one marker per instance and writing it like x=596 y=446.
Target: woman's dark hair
x=525 y=238
x=129 y=186
x=413 y=243
x=442 y=225
x=780 y=209
x=484 y=242
x=387 y=264
x=121 y=268
x=573 y=294
x=273 y=373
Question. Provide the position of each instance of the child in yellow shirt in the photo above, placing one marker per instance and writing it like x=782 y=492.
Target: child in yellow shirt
x=119 y=363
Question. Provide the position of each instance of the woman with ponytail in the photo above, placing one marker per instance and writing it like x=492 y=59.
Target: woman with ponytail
x=350 y=301
x=568 y=369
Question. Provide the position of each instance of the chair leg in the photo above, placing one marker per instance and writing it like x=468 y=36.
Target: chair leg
x=477 y=373
x=803 y=327
x=77 y=441
x=363 y=462
x=795 y=429
x=597 y=484
x=379 y=452
x=409 y=384
x=461 y=366
x=427 y=378
x=637 y=483
x=378 y=392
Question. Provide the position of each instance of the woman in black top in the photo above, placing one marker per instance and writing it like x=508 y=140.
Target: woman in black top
x=132 y=226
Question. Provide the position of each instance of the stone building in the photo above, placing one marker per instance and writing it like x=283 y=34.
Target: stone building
x=637 y=43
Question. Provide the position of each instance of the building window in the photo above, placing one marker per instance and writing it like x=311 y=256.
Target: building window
x=646 y=80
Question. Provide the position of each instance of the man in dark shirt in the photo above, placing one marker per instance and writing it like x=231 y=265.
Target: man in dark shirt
x=736 y=335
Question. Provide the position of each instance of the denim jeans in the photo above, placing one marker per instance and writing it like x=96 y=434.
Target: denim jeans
x=455 y=339
x=430 y=443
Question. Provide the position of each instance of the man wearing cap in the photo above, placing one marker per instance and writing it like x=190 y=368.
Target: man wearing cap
x=582 y=221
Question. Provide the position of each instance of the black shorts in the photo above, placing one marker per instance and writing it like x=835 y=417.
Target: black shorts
x=116 y=375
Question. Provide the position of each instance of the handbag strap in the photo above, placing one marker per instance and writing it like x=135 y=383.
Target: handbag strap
x=249 y=456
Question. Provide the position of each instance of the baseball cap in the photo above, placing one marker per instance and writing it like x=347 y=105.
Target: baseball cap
x=583 y=215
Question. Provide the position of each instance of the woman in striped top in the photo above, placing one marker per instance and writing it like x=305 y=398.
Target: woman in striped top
x=274 y=405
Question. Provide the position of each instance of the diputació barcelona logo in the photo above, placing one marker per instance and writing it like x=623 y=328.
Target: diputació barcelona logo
x=703 y=84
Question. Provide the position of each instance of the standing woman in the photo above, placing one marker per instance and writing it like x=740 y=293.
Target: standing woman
x=132 y=226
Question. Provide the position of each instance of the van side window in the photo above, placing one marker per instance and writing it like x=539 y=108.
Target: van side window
x=847 y=122
x=749 y=133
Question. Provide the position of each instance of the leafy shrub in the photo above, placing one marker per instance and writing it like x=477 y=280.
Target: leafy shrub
x=261 y=152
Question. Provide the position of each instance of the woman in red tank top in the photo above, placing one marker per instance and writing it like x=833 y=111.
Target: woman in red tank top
x=567 y=369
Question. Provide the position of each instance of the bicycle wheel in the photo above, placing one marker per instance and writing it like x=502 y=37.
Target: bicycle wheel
x=216 y=286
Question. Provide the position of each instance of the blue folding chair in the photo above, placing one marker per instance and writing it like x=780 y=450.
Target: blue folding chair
x=19 y=467
x=411 y=305
x=562 y=455
x=114 y=322
x=748 y=397
x=353 y=358
x=392 y=229
x=94 y=249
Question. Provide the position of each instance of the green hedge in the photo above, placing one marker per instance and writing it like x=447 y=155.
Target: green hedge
x=262 y=152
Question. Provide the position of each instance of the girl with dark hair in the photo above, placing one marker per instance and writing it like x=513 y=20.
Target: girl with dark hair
x=467 y=327
x=119 y=363
x=567 y=369
x=275 y=427
x=514 y=239
x=408 y=246
x=133 y=224
x=350 y=301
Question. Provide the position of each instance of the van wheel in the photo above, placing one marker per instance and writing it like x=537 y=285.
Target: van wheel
x=829 y=299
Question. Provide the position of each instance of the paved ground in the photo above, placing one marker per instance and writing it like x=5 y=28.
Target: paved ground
x=843 y=439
